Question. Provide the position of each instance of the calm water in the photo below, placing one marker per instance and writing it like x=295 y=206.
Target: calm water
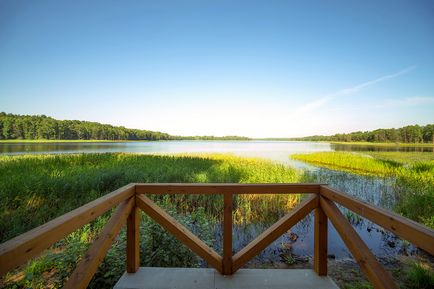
x=269 y=149
x=276 y=150
x=299 y=241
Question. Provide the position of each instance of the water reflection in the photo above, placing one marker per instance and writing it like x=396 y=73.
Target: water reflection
x=277 y=150
x=270 y=149
x=299 y=240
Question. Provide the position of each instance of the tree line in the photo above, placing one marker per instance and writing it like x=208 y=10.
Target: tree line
x=406 y=134
x=34 y=127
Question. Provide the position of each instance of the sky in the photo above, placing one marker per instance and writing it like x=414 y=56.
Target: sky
x=250 y=68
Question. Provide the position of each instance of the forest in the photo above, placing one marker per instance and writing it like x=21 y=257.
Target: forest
x=406 y=134
x=41 y=127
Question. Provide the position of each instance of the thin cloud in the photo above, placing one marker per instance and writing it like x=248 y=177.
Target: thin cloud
x=314 y=105
x=409 y=101
x=361 y=86
x=320 y=102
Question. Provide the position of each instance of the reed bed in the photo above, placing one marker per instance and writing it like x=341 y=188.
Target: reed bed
x=37 y=188
x=413 y=177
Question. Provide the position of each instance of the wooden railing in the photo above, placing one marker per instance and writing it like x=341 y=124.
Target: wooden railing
x=129 y=199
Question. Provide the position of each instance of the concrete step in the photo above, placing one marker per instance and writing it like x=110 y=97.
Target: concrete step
x=207 y=278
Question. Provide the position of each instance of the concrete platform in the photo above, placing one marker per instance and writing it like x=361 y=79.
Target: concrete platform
x=207 y=278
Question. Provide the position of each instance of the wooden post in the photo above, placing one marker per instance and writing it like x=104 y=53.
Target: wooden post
x=133 y=240
x=227 y=234
x=369 y=265
x=320 y=242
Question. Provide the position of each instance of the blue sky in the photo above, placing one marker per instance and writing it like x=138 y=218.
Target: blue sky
x=253 y=68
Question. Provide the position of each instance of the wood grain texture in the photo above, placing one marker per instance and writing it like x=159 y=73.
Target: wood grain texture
x=133 y=240
x=227 y=234
x=28 y=245
x=418 y=234
x=274 y=232
x=219 y=188
x=369 y=265
x=180 y=232
x=320 y=242
x=88 y=265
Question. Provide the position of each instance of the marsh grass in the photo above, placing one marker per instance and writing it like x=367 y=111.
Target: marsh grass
x=37 y=188
x=403 y=157
x=386 y=144
x=413 y=178
x=352 y=162
x=420 y=276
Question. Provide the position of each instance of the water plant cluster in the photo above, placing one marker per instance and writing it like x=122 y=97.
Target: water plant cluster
x=37 y=188
x=413 y=178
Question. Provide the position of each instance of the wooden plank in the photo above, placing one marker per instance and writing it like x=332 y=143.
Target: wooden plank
x=373 y=270
x=274 y=232
x=219 y=188
x=23 y=247
x=180 y=232
x=320 y=242
x=227 y=234
x=133 y=240
x=88 y=265
x=419 y=235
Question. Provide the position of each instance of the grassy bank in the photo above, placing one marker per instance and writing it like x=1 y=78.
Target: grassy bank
x=37 y=188
x=351 y=162
x=384 y=144
x=414 y=177
x=401 y=157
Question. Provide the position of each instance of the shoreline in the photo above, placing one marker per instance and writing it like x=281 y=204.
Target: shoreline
x=384 y=144
x=42 y=141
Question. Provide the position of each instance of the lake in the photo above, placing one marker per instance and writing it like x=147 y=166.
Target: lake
x=378 y=191
x=275 y=150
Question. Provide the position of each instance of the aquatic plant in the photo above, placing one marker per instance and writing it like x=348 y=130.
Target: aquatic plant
x=37 y=188
x=413 y=178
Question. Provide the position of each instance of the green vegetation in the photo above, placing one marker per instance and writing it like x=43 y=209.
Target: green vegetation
x=37 y=188
x=384 y=144
x=359 y=285
x=351 y=162
x=414 y=179
x=41 y=127
x=406 y=134
x=57 y=141
x=403 y=158
x=420 y=276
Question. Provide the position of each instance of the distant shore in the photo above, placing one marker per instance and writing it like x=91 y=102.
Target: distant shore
x=112 y=141
x=101 y=140
x=383 y=144
x=61 y=141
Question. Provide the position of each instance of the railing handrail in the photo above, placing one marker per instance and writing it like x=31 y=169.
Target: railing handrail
x=221 y=188
x=129 y=199
x=20 y=249
x=416 y=233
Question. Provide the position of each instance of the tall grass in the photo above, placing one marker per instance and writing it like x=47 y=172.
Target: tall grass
x=37 y=188
x=414 y=179
x=403 y=157
x=420 y=276
x=352 y=162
